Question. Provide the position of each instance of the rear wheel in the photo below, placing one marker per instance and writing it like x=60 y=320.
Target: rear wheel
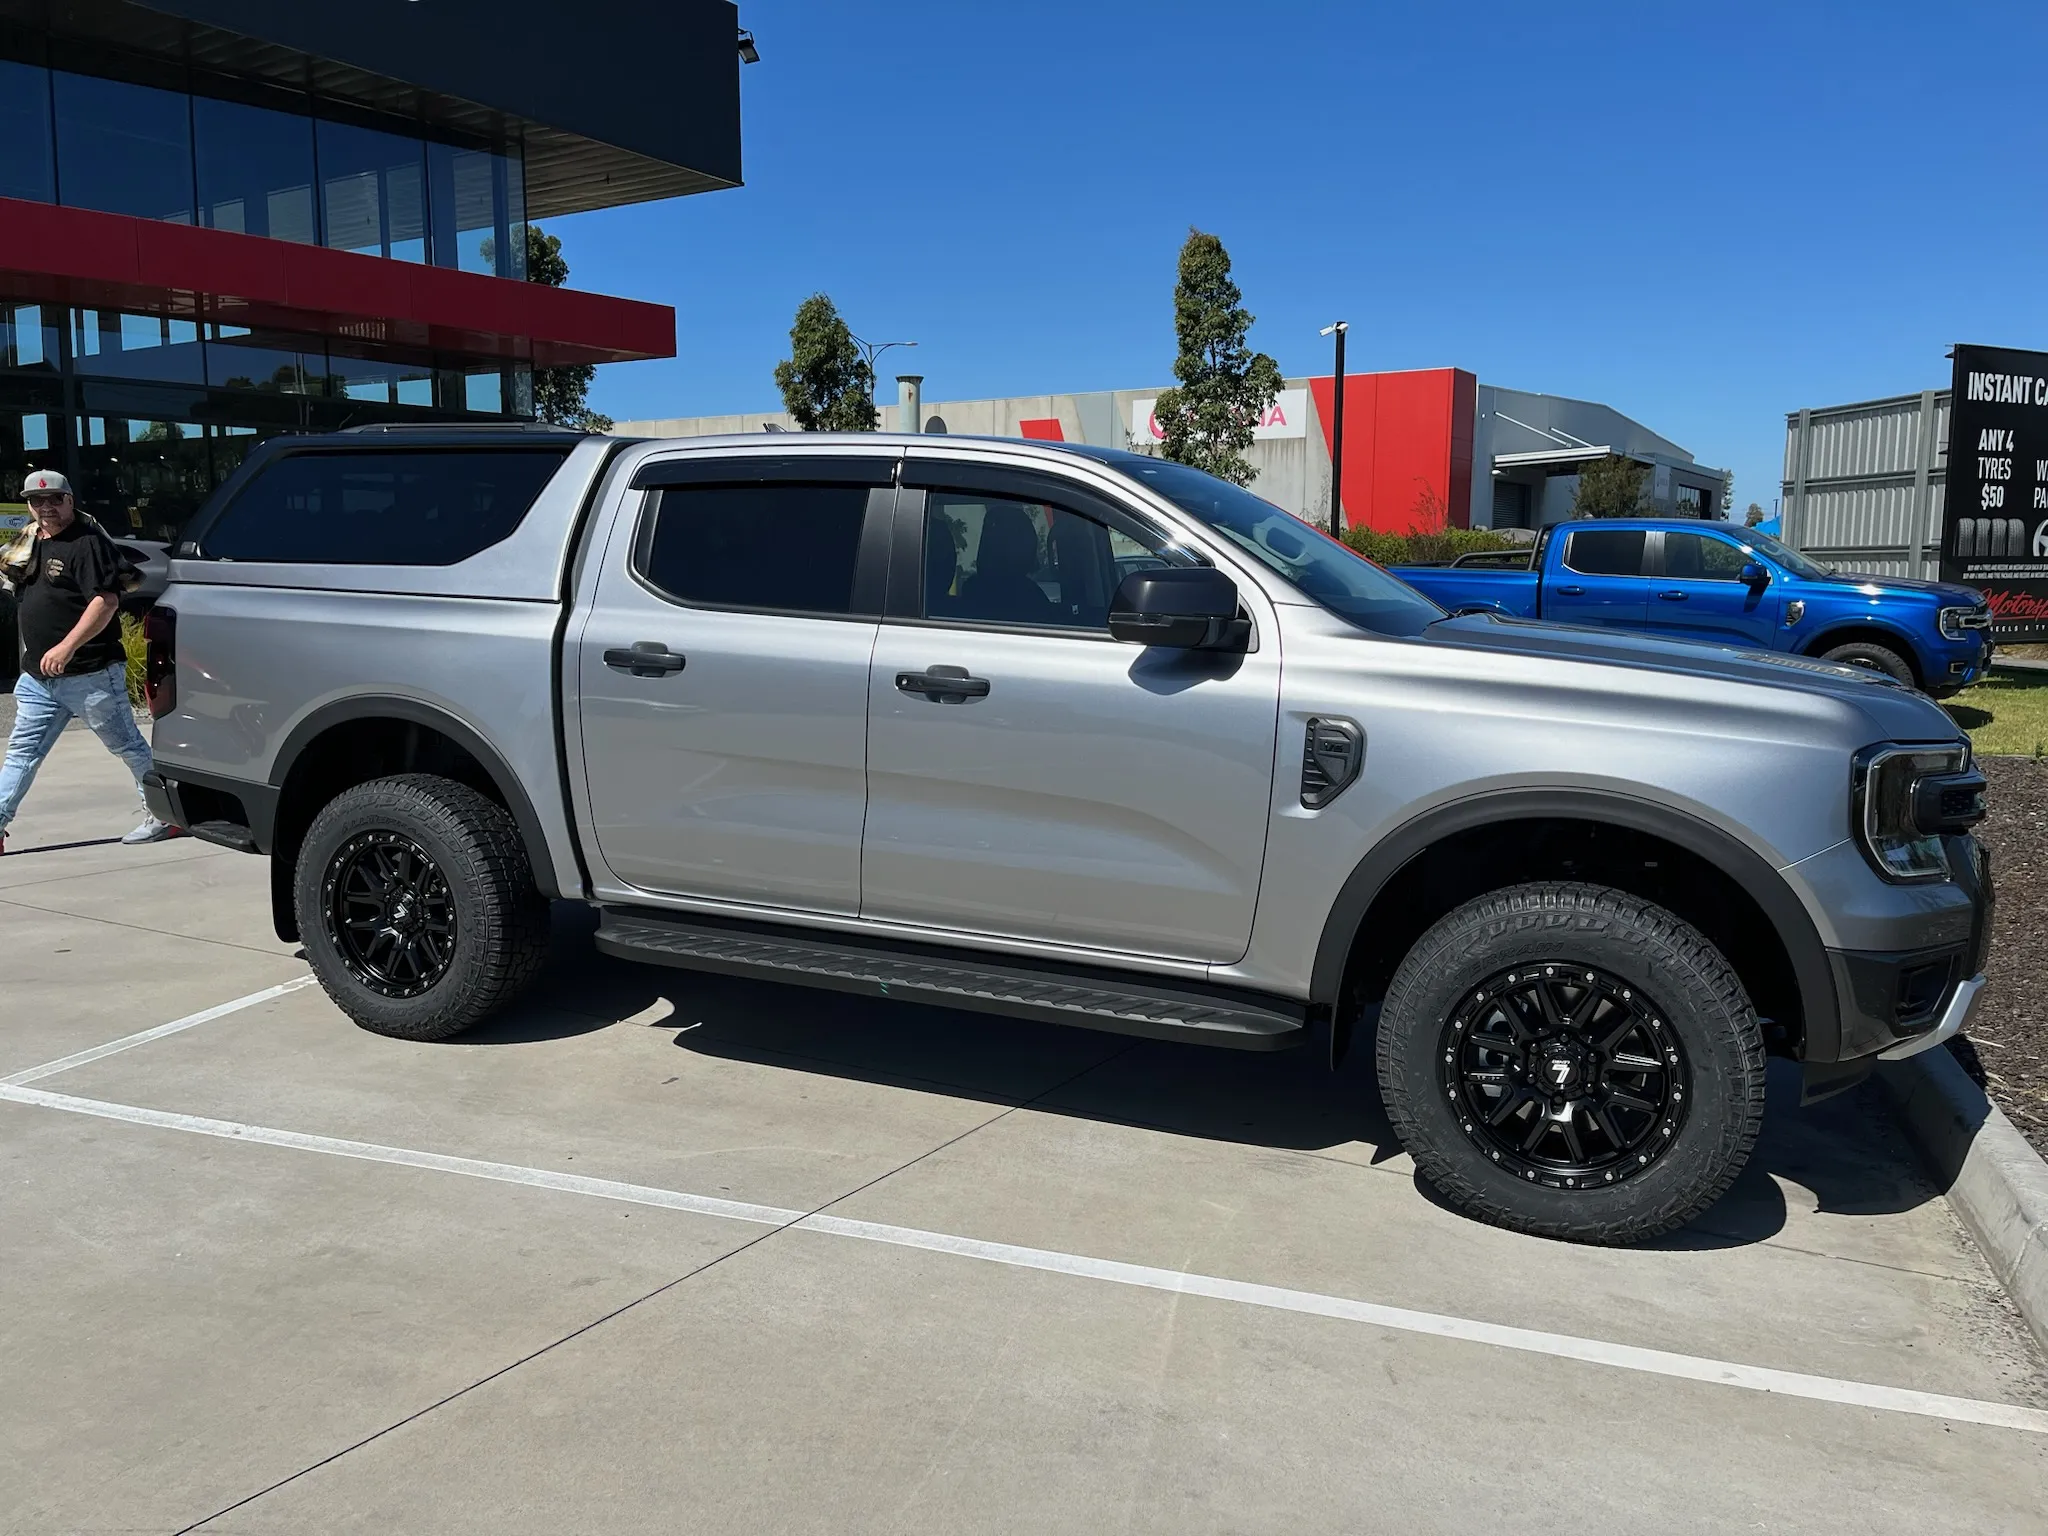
x=1874 y=657
x=417 y=906
x=1570 y=1061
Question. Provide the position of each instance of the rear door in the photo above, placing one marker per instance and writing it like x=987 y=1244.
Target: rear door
x=723 y=671
x=1598 y=578
x=1699 y=593
x=1029 y=776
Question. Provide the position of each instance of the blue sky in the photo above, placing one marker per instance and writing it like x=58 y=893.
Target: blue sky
x=1705 y=216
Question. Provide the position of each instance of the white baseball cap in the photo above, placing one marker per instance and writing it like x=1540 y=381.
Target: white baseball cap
x=45 y=482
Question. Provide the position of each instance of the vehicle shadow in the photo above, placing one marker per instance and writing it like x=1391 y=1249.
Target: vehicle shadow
x=1845 y=1156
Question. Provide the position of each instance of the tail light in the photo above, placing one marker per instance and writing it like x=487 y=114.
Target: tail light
x=160 y=660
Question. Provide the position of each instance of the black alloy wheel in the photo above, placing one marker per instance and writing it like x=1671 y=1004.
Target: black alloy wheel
x=1564 y=1074
x=389 y=913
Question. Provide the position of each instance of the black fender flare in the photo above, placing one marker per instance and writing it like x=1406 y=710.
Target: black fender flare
x=399 y=707
x=1748 y=869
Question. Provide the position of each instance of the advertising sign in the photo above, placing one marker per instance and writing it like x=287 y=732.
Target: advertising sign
x=1994 y=534
x=1287 y=416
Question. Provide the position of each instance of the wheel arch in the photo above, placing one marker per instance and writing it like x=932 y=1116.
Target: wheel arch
x=353 y=740
x=1870 y=631
x=1379 y=890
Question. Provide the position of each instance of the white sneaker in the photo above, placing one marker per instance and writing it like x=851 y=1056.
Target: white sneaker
x=152 y=831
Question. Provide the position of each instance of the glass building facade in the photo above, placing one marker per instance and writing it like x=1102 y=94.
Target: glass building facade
x=147 y=412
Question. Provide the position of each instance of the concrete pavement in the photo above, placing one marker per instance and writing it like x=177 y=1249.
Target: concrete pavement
x=320 y=1281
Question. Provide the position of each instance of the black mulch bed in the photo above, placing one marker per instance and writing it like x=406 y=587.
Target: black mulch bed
x=2006 y=1049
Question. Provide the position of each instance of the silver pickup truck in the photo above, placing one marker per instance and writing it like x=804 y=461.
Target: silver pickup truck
x=1069 y=735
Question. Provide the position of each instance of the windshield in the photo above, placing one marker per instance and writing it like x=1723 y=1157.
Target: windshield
x=1343 y=581
x=1784 y=554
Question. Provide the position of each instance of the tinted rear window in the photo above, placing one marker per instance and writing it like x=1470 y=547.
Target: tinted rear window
x=418 y=507
x=1607 y=551
x=785 y=548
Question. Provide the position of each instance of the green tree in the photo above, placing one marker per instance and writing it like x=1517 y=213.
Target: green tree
x=827 y=386
x=560 y=395
x=1754 y=515
x=1225 y=387
x=1612 y=487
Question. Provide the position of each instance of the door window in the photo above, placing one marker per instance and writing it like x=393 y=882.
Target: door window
x=778 y=548
x=1606 y=551
x=1702 y=557
x=993 y=560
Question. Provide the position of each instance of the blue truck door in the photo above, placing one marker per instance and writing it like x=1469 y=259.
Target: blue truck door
x=1699 y=593
x=1598 y=579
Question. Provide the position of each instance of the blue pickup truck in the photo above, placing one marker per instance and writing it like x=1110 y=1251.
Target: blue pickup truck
x=1724 y=585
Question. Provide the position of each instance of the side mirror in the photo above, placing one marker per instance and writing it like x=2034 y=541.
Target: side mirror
x=1755 y=576
x=1189 y=607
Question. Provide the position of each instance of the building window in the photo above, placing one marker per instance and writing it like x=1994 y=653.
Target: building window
x=27 y=164
x=123 y=148
x=28 y=337
x=255 y=170
x=373 y=192
x=478 y=200
x=109 y=344
x=238 y=358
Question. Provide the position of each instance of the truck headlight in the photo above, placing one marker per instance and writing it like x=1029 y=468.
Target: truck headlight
x=1906 y=799
x=1956 y=623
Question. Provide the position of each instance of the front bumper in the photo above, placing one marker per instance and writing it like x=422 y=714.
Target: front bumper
x=1897 y=1003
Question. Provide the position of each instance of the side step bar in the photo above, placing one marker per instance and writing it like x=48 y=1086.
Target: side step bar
x=957 y=979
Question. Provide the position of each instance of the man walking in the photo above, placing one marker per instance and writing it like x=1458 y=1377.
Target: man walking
x=72 y=664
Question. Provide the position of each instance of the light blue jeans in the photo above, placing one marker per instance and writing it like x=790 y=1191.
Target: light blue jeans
x=43 y=706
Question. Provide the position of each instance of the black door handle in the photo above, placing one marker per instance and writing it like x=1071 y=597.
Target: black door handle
x=1571 y=591
x=647 y=658
x=941 y=683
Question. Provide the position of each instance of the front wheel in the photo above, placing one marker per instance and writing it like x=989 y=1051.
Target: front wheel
x=1873 y=657
x=418 y=907
x=1571 y=1061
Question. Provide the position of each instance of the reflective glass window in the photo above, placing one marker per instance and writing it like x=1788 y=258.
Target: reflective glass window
x=27 y=168
x=124 y=148
x=994 y=561
x=109 y=344
x=474 y=194
x=255 y=170
x=143 y=477
x=373 y=193
x=28 y=337
x=382 y=380
x=237 y=358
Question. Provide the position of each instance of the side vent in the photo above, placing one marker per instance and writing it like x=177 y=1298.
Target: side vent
x=1331 y=756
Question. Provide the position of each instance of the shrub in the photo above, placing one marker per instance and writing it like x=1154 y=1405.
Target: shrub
x=1420 y=546
x=133 y=645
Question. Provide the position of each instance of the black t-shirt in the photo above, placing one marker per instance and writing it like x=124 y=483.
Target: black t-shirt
x=65 y=574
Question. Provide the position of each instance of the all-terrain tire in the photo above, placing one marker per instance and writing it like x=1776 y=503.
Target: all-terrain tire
x=500 y=919
x=1697 y=998
x=1878 y=658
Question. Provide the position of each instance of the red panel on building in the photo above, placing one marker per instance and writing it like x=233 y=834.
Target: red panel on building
x=1407 y=447
x=73 y=256
x=1045 y=428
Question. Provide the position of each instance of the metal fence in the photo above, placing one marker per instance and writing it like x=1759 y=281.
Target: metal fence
x=1864 y=483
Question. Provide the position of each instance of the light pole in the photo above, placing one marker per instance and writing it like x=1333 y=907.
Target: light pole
x=872 y=350
x=1337 y=435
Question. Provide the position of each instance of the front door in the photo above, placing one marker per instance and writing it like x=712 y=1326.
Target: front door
x=1599 y=578
x=1701 y=594
x=723 y=673
x=1029 y=776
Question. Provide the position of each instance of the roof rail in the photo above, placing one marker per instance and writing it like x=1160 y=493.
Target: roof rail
x=541 y=428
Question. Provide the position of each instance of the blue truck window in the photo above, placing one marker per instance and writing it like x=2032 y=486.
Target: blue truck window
x=1702 y=557
x=1606 y=551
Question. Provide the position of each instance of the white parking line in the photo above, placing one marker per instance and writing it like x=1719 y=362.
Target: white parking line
x=129 y=1042
x=1656 y=1362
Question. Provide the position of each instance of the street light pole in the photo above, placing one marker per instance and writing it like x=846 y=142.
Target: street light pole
x=872 y=350
x=1337 y=435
